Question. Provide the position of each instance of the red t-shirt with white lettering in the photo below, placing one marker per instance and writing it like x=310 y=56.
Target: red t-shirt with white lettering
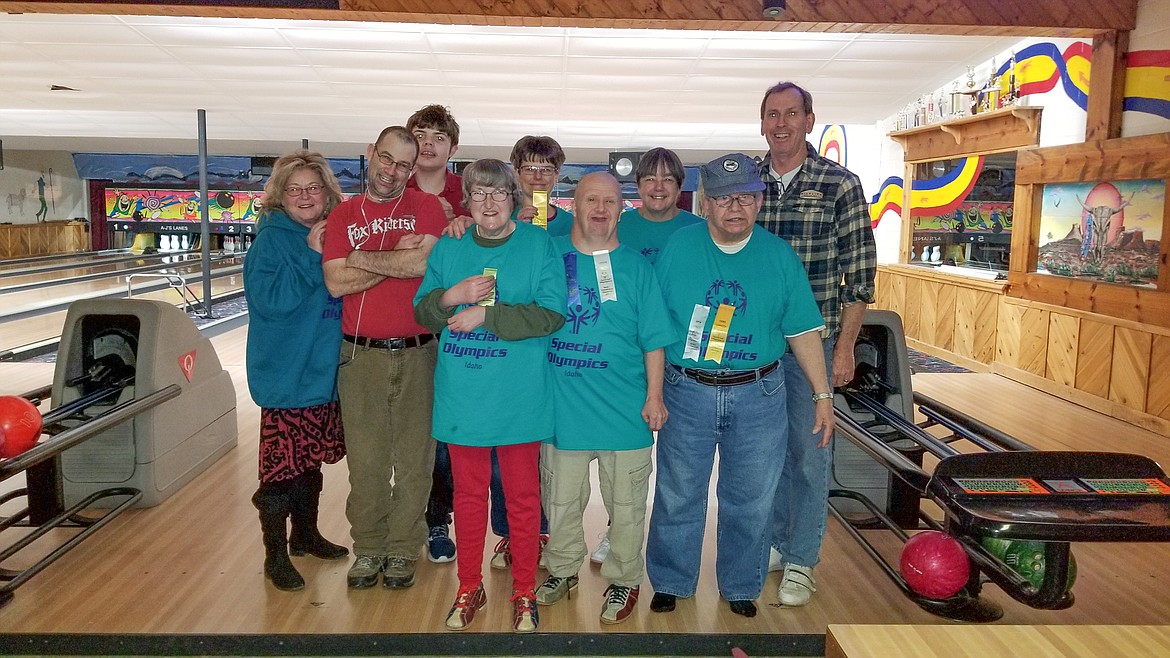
x=387 y=309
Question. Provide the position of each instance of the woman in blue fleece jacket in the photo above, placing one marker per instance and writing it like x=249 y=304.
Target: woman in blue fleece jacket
x=294 y=335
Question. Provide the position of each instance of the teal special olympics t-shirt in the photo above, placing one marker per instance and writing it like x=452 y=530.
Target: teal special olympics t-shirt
x=647 y=237
x=765 y=282
x=489 y=391
x=597 y=358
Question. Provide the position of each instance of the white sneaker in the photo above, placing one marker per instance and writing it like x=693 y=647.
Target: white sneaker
x=775 y=560
x=797 y=587
x=599 y=554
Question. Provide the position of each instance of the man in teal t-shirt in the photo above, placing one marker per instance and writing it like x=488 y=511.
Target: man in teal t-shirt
x=738 y=298
x=606 y=364
x=660 y=175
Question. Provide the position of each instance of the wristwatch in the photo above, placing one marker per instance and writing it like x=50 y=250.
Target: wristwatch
x=817 y=397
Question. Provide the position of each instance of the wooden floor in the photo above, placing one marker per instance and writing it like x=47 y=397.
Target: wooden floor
x=193 y=564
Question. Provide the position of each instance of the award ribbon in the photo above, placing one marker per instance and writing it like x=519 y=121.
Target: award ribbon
x=695 y=332
x=571 y=279
x=604 y=270
x=540 y=200
x=490 y=300
x=719 y=329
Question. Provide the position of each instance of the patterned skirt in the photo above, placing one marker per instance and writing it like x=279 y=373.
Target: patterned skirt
x=293 y=441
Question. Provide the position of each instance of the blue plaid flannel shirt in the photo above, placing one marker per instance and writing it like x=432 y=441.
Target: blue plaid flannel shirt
x=823 y=214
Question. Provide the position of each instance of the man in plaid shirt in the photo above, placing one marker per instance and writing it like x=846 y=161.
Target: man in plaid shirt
x=819 y=207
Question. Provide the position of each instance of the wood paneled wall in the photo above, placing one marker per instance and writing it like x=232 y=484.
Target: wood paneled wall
x=18 y=240
x=1114 y=366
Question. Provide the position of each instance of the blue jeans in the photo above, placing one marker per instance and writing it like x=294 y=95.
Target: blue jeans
x=748 y=425
x=439 y=506
x=499 y=511
x=801 y=509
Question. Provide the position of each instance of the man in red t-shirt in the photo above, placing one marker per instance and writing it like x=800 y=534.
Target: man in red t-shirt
x=376 y=246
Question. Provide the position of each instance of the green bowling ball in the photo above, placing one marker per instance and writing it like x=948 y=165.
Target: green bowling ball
x=1026 y=558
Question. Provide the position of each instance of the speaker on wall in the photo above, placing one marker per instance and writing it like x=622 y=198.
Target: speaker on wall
x=623 y=164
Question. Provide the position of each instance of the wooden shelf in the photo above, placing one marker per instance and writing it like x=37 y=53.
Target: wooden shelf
x=988 y=132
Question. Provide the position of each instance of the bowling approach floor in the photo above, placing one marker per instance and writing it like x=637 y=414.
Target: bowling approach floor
x=186 y=577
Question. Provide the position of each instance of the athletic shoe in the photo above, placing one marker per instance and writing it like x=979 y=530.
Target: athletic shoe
x=365 y=570
x=542 y=559
x=467 y=602
x=525 y=619
x=775 y=560
x=797 y=587
x=599 y=554
x=503 y=555
x=556 y=588
x=398 y=573
x=440 y=548
x=619 y=603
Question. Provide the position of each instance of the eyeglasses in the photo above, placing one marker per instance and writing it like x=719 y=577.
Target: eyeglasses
x=496 y=195
x=296 y=190
x=746 y=200
x=538 y=170
x=388 y=160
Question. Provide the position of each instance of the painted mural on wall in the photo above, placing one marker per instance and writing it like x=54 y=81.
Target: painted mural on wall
x=1147 y=82
x=38 y=198
x=178 y=170
x=147 y=204
x=1041 y=66
x=833 y=146
x=1106 y=231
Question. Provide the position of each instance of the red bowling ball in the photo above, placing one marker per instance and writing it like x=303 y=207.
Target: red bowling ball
x=934 y=564
x=20 y=425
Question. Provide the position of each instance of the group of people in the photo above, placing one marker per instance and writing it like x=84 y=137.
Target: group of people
x=478 y=344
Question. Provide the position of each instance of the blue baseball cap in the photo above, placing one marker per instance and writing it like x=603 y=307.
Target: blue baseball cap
x=730 y=174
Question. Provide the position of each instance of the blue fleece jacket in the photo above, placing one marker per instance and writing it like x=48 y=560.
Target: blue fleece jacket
x=294 y=325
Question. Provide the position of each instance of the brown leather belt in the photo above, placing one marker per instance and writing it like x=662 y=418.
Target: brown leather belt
x=735 y=378
x=390 y=343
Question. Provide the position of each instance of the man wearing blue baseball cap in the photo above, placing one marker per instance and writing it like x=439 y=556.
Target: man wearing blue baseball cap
x=739 y=299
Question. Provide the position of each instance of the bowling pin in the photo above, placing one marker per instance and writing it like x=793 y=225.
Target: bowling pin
x=186 y=244
x=166 y=242
x=936 y=254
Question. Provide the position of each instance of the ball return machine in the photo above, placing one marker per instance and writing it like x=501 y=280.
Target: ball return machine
x=1004 y=490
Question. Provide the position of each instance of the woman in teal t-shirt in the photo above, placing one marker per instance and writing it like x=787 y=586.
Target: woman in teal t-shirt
x=493 y=297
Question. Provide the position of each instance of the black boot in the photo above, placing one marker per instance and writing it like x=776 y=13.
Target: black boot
x=305 y=538
x=272 y=501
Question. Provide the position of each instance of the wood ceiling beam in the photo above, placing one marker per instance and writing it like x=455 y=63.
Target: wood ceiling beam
x=1039 y=18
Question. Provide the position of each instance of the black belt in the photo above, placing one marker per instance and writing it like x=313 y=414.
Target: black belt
x=735 y=378
x=390 y=343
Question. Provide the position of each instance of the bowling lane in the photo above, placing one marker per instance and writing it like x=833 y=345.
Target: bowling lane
x=45 y=326
x=16 y=265
x=24 y=301
x=96 y=268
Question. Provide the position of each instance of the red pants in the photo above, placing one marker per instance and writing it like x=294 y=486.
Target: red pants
x=472 y=471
